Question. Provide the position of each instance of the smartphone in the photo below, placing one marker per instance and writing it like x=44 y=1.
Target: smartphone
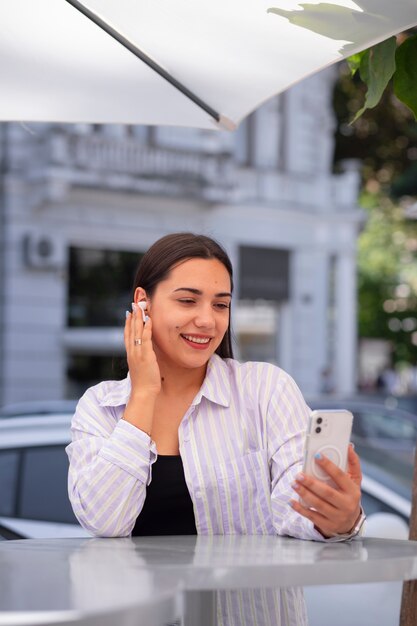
x=328 y=434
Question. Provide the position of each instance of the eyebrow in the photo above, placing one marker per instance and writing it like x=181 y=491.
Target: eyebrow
x=197 y=292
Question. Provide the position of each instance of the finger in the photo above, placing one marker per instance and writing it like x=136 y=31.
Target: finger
x=305 y=485
x=354 y=466
x=341 y=478
x=312 y=500
x=137 y=326
x=126 y=331
x=329 y=501
x=147 y=335
x=318 y=520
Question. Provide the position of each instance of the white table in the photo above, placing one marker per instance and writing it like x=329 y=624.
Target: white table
x=151 y=574
x=78 y=583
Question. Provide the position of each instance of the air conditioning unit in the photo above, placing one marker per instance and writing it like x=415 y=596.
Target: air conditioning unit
x=43 y=252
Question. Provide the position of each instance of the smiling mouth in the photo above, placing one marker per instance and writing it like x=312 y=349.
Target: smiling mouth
x=197 y=340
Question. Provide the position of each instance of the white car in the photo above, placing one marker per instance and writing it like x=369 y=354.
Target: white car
x=38 y=407
x=33 y=478
x=387 y=502
x=34 y=504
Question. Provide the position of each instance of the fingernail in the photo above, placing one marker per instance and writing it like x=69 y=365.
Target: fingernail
x=352 y=445
x=127 y=314
x=300 y=477
x=295 y=486
x=134 y=307
x=318 y=456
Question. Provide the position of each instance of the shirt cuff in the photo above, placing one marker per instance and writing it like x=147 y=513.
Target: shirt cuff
x=131 y=449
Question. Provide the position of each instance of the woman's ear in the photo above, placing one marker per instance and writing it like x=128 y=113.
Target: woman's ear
x=140 y=295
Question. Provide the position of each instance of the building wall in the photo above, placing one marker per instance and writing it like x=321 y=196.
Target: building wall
x=269 y=185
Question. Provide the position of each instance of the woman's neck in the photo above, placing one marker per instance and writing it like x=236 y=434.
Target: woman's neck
x=178 y=380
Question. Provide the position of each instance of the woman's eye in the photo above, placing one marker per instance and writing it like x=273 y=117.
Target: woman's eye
x=186 y=301
x=222 y=305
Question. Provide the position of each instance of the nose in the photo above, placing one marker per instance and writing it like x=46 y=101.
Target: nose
x=205 y=317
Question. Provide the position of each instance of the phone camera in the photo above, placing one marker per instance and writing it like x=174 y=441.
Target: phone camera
x=318 y=429
x=319 y=420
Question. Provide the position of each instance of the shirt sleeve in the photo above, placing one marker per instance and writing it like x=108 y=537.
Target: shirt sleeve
x=110 y=467
x=287 y=417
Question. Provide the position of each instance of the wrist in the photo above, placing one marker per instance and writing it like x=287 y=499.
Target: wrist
x=352 y=532
x=357 y=520
x=141 y=397
x=139 y=411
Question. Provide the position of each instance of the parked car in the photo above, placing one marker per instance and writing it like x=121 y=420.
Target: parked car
x=387 y=503
x=385 y=438
x=33 y=477
x=34 y=502
x=38 y=407
x=382 y=433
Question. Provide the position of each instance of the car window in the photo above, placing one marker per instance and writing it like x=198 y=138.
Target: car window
x=9 y=465
x=386 y=426
x=371 y=504
x=43 y=485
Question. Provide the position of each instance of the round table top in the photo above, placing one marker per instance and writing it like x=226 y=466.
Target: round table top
x=94 y=574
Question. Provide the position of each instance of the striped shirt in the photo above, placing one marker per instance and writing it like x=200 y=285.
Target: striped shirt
x=241 y=442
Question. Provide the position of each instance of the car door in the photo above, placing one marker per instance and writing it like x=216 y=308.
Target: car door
x=33 y=487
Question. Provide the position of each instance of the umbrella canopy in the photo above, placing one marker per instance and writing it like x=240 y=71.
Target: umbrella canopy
x=104 y=61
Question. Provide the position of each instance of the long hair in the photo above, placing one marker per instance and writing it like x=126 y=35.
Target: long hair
x=170 y=250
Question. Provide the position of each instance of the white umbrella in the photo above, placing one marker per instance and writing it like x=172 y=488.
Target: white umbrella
x=178 y=62
x=58 y=64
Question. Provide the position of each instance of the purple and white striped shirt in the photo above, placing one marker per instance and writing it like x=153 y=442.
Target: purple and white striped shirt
x=241 y=443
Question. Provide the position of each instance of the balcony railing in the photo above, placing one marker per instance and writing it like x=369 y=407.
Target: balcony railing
x=129 y=163
x=131 y=157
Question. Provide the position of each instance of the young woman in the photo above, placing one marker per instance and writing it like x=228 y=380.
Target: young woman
x=193 y=441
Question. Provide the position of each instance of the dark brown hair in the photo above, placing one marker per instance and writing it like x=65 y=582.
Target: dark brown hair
x=170 y=250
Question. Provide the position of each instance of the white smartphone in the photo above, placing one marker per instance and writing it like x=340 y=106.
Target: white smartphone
x=328 y=434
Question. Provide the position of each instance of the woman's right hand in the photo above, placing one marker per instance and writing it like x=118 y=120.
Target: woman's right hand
x=144 y=370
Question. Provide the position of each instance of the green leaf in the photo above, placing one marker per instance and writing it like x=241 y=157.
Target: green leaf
x=405 y=78
x=376 y=69
x=354 y=61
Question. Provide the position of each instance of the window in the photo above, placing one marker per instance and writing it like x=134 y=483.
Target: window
x=374 y=505
x=43 y=491
x=264 y=273
x=86 y=370
x=385 y=426
x=100 y=286
x=9 y=466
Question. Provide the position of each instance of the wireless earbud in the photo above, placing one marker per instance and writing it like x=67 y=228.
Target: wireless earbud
x=142 y=306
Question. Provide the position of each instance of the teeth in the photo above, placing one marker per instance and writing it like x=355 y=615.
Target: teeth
x=197 y=339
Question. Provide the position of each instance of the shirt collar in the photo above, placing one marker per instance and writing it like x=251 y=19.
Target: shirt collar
x=215 y=387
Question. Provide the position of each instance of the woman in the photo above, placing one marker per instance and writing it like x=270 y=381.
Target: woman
x=193 y=441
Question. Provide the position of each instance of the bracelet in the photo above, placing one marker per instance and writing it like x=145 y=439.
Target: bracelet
x=355 y=530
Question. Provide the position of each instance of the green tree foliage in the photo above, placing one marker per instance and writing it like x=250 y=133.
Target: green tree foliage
x=377 y=65
x=387 y=277
x=385 y=140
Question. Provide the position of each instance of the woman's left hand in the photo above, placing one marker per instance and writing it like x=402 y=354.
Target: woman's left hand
x=333 y=511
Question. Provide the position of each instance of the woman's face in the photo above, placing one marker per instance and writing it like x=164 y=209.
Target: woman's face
x=190 y=312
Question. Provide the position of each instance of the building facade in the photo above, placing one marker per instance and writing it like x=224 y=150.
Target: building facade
x=80 y=203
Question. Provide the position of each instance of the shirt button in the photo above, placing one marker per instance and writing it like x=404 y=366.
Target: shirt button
x=198 y=494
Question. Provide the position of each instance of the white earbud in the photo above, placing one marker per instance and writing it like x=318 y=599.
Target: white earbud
x=142 y=306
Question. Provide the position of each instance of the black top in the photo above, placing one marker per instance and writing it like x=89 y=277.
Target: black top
x=168 y=509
